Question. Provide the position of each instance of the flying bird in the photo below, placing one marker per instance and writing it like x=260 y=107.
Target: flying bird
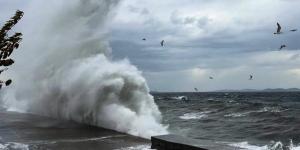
x=211 y=78
x=293 y=30
x=196 y=89
x=162 y=43
x=250 y=77
x=282 y=46
x=278 y=29
x=144 y=39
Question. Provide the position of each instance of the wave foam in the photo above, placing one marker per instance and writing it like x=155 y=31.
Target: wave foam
x=194 y=116
x=272 y=146
x=272 y=109
x=263 y=110
x=236 y=115
x=247 y=146
x=70 y=74
x=13 y=146
x=139 y=147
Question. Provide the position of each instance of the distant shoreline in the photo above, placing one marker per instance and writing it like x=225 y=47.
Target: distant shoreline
x=237 y=91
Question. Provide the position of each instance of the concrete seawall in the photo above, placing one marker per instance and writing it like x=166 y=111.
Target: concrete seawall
x=42 y=133
x=176 y=142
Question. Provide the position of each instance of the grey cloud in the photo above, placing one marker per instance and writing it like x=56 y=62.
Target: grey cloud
x=8 y=8
x=200 y=22
x=295 y=56
x=204 y=41
x=145 y=11
x=189 y=20
x=133 y=9
x=141 y=11
x=147 y=60
x=175 y=18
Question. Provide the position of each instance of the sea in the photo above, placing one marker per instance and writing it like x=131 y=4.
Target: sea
x=244 y=120
x=241 y=120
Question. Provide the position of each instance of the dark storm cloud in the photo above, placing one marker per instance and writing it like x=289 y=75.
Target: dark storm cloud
x=225 y=38
x=229 y=39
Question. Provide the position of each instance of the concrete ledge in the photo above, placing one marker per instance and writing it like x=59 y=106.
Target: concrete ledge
x=43 y=133
x=176 y=142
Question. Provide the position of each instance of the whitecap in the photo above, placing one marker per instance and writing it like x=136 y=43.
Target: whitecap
x=272 y=109
x=139 y=147
x=263 y=110
x=272 y=146
x=13 y=146
x=247 y=146
x=236 y=115
x=194 y=116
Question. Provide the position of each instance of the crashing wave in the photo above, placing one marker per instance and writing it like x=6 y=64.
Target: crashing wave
x=70 y=74
x=272 y=146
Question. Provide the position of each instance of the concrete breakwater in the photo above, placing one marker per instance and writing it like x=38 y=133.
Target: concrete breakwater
x=31 y=132
x=176 y=142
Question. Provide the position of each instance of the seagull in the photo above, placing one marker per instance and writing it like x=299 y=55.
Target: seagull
x=282 y=46
x=162 y=43
x=293 y=30
x=250 y=77
x=211 y=78
x=196 y=89
x=278 y=29
x=144 y=39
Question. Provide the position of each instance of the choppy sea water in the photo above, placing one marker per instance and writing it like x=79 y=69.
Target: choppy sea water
x=253 y=121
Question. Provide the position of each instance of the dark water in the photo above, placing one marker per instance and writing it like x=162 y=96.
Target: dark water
x=246 y=120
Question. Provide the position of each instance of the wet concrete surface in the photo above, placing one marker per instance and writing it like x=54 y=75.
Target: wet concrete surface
x=40 y=133
x=177 y=142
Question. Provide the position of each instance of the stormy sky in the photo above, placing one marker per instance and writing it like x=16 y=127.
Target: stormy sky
x=228 y=40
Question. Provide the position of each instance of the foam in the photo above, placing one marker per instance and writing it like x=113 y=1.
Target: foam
x=194 y=116
x=65 y=58
x=13 y=146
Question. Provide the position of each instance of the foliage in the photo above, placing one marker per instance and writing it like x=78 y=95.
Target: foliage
x=9 y=43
